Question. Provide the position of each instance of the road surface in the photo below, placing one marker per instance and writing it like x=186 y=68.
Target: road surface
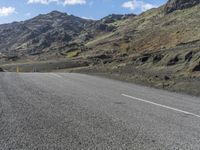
x=47 y=111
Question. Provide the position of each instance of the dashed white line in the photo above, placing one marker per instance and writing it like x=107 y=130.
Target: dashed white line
x=54 y=74
x=160 y=105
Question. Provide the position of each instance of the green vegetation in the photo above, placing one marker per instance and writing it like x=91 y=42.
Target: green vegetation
x=72 y=54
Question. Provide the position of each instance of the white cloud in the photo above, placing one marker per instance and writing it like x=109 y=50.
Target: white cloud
x=88 y=18
x=64 y=2
x=74 y=2
x=41 y=1
x=137 y=4
x=6 y=11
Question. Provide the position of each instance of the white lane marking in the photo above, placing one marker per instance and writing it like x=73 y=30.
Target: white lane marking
x=54 y=74
x=163 y=106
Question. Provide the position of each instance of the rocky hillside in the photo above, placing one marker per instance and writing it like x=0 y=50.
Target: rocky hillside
x=54 y=33
x=173 y=5
x=160 y=47
x=157 y=38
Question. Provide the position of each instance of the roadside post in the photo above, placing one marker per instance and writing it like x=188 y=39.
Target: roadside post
x=17 y=69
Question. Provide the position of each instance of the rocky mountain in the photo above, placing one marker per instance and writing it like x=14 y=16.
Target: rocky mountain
x=173 y=5
x=116 y=17
x=159 y=46
x=50 y=33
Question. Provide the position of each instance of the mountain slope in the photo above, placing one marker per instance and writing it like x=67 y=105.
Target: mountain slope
x=155 y=48
x=176 y=34
x=173 y=5
x=53 y=32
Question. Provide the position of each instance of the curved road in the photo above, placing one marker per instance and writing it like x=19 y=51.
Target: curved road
x=53 y=111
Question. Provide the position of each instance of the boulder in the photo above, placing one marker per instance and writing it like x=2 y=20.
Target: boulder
x=1 y=70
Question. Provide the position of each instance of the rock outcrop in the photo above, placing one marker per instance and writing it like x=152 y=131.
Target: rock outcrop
x=173 y=5
x=50 y=32
x=1 y=70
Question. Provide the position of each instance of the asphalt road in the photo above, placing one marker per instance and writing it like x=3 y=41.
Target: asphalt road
x=80 y=112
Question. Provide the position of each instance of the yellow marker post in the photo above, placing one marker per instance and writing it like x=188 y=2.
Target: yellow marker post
x=17 y=69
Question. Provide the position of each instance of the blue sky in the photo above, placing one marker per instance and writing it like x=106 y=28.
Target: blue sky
x=18 y=10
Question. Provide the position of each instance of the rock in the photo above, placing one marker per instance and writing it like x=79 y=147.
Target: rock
x=104 y=27
x=196 y=68
x=157 y=58
x=173 y=61
x=188 y=56
x=102 y=56
x=166 y=78
x=144 y=58
x=114 y=17
x=1 y=70
x=173 y=5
